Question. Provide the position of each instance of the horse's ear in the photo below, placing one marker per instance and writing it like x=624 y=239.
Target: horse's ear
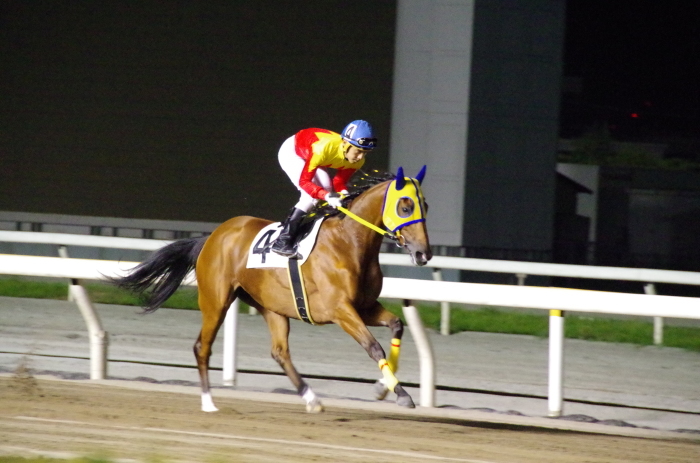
x=400 y=180
x=421 y=174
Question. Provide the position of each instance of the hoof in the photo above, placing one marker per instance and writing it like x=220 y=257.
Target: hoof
x=314 y=406
x=380 y=390
x=208 y=403
x=405 y=401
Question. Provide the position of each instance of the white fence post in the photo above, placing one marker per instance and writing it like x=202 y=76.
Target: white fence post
x=444 y=307
x=63 y=252
x=649 y=288
x=556 y=362
x=98 y=337
x=425 y=355
x=230 y=344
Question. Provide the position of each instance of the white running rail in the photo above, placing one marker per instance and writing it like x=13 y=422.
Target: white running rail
x=555 y=300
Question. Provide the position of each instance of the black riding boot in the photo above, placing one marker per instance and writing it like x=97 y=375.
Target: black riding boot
x=284 y=244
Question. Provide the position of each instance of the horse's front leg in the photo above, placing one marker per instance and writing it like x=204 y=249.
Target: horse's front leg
x=279 y=333
x=355 y=327
x=379 y=316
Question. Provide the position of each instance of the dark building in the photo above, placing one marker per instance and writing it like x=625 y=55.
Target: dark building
x=176 y=110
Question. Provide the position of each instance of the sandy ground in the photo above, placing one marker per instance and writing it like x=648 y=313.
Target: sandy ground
x=69 y=418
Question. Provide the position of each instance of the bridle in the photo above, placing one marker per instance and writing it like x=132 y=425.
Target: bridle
x=395 y=186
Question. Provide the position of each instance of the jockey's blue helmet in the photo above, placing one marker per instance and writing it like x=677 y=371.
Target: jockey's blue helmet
x=360 y=133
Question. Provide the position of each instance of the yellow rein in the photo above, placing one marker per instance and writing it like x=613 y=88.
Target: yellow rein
x=369 y=225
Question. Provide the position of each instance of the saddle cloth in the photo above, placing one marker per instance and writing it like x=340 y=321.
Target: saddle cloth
x=260 y=254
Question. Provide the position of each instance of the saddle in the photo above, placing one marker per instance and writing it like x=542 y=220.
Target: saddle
x=260 y=254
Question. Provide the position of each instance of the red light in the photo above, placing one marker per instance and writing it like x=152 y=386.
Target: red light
x=634 y=115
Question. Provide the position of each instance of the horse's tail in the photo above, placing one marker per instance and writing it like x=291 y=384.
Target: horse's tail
x=156 y=279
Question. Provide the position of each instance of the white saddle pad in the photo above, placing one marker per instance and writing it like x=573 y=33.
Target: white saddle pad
x=261 y=256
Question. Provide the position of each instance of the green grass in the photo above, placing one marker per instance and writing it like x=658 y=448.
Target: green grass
x=184 y=298
x=490 y=320
x=10 y=459
x=487 y=320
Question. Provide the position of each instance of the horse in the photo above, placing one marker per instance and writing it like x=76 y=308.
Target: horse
x=342 y=278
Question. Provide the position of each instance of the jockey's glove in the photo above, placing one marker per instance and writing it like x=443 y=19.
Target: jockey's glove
x=333 y=199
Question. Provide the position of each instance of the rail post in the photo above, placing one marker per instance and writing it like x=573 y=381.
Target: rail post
x=444 y=307
x=649 y=288
x=425 y=354
x=98 y=337
x=63 y=252
x=556 y=363
x=230 y=344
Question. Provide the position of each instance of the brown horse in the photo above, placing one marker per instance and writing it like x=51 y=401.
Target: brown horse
x=342 y=278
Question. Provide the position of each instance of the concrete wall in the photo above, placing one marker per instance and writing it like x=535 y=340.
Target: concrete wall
x=476 y=97
x=431 y=98
x=175 y=110
x=513 y=125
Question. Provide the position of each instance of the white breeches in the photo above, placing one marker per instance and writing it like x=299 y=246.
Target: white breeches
x=293 y=165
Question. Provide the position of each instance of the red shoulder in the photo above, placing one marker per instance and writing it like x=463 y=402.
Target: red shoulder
x=305 y=138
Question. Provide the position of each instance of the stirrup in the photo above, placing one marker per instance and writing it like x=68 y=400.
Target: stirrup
x=284 y=250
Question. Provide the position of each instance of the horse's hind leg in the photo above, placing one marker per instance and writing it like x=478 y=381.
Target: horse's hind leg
x=279 y=333
x=382 y=317
x=213 y=313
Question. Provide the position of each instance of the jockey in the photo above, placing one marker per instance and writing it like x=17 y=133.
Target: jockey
x=305 y=158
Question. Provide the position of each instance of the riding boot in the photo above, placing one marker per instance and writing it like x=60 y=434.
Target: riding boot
x=285 y=243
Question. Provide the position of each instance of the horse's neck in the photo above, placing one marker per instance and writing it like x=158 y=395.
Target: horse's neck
x=368 y=206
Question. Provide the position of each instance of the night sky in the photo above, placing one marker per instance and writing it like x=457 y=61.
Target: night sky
x=639 y=64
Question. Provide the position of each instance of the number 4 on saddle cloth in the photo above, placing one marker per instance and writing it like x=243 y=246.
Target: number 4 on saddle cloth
x=260 y=254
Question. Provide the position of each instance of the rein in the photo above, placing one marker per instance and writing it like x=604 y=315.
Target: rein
x=391 y=236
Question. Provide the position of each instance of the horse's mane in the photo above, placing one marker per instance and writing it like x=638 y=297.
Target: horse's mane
x=359 y=183
x=363 y=181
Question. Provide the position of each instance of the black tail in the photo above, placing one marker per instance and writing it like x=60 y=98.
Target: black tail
x=158 y=277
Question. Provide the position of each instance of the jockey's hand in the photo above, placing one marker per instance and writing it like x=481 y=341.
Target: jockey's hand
x=333 y=199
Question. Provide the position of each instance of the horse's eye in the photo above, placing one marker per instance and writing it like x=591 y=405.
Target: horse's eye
x=404 y=208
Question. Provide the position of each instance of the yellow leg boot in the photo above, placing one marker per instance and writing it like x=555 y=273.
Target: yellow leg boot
x=389 y=379
x=394 y=351
x=380 y=387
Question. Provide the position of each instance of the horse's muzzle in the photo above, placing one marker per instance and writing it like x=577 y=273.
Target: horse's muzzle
x=418 y=249
x=420 y=258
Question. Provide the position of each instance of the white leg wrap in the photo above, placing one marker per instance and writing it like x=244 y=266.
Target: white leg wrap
x=208 y=403
x=309 y=396
x=313 y=403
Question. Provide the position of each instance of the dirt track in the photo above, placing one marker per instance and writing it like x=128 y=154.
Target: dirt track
x=54 y=417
